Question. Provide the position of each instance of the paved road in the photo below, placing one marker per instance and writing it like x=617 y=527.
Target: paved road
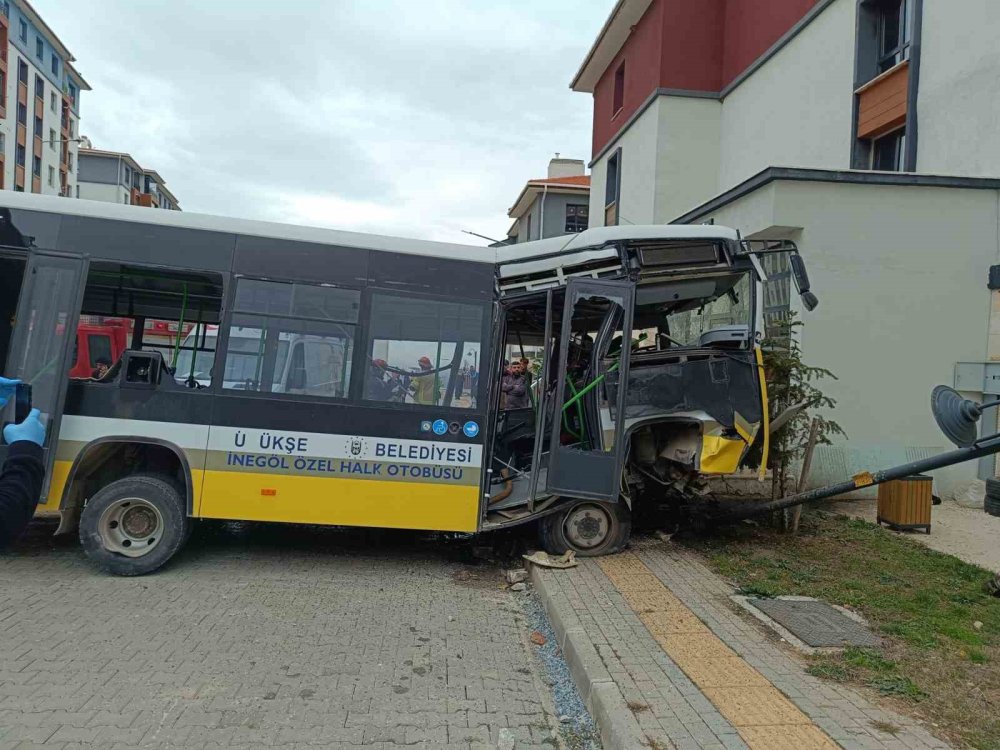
x=268 y=636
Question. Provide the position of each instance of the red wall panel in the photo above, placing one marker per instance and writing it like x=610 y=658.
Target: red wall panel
x=641 y=54
x=752 y=27
x=694 y=46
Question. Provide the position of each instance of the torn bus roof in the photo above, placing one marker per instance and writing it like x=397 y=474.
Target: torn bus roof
x=593 y=252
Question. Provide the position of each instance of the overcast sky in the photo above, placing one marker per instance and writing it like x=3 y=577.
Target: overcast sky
x=417 y=118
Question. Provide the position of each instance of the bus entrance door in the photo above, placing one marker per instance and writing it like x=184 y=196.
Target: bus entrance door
x=587 y=443
x=44 y=334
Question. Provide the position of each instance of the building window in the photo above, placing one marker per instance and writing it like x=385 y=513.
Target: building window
x=3 y=145
x=888 y=152
x=894 y=21
x=39 y=48
x=612 y=189
x=52 y=176
x=19 y=155
x=576 y=218
x=291 y=338
x=52 y=139
x=128 y=175
x=55 y=64
x=69 y=161
x=421 y=351
x=39 y=87
x=36 y=166
x=619 y=95
x=3 y=89
x=54 y=102
x=38 y=128
x=22 y=114
x=22 y=30
x=22 y=71
x=78 y=191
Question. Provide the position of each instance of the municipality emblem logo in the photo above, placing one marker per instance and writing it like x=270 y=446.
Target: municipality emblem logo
x=357 y=446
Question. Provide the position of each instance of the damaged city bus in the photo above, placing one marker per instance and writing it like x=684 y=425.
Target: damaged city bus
x=324 y=377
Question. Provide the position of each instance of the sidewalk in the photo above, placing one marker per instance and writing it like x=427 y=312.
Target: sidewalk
x=664 y=660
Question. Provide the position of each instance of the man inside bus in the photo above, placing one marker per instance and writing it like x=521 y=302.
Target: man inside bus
x=101 y=368
x=514 y=387
x=22 y=473
x=378 y=387
x=423 y=383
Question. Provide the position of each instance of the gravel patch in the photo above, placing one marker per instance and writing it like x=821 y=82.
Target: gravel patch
x=576 y=727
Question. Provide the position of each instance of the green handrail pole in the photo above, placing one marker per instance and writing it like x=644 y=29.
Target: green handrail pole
x=180 y=326
x=589 y=387
x=197 y=329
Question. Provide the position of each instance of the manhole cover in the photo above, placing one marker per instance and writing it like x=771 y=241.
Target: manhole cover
x=817 y=623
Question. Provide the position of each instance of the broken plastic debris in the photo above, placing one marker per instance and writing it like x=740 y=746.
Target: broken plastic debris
x=545 y=560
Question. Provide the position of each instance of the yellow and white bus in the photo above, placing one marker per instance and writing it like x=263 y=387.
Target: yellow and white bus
x=349 y=379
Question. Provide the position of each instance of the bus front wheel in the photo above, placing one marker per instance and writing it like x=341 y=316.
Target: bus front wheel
x=134 y=525
x=587 y=527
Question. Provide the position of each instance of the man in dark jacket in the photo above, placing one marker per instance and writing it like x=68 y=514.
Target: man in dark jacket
x=514 y=387
x=23 y=471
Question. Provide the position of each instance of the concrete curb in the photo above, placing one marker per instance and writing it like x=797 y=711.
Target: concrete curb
x=602 y=696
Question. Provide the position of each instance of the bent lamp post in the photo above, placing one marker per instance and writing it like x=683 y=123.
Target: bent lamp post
x=955 y=416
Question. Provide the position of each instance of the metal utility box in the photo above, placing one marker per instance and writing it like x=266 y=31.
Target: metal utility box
x=906 y=503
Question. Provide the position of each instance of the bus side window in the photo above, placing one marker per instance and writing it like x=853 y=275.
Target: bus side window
x=291 y=338
x=422 y=350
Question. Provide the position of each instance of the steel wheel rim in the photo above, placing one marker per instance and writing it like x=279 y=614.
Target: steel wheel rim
x=131 y=527
x=587 y=526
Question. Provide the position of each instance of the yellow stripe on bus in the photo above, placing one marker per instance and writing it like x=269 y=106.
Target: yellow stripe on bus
x=339 y=502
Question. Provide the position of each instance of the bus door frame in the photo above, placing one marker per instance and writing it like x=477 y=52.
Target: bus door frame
x=593 y=474
x=22 y=340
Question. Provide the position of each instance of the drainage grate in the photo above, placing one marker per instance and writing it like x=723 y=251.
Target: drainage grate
x=816 y=623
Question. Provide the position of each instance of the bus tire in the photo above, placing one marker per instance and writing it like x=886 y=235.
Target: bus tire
x=590 y=528
x=134 y=525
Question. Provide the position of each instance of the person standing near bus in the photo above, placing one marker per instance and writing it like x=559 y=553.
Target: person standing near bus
x=424 y=383
x=514 y=387
x=23 y=471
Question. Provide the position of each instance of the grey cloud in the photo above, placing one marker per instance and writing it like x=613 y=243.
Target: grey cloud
x=245 y=106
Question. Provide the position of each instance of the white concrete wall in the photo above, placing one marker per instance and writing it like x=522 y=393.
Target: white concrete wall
x=687 y=154
x=958 y=105
x=97 y=191
x=796 y=109
x=901 y=277
x=639 y=168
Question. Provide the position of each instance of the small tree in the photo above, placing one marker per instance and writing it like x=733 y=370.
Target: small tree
x=791 y=381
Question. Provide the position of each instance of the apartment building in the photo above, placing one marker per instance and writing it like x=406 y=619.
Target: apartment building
x=552 y=205
x=115 y=177
x=864 y=130
x=39 y=105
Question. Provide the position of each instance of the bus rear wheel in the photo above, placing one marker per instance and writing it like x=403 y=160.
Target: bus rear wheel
x=587 y=527
x=134 y=525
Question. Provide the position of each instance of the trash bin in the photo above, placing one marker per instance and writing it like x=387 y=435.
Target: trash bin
x=906 y=503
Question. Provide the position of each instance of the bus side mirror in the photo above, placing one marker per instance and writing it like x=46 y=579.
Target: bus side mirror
x=801 y=277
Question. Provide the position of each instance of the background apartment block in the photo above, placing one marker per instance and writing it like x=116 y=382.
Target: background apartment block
x=115 y=177
x=553 y=205
x=865 y=131
x=39 y=105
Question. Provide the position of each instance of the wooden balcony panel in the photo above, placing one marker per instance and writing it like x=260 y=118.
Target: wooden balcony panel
x=882 y=103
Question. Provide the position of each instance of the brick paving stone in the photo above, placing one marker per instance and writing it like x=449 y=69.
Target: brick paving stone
x=257 y=636
x=676 y=710
x=843 y=713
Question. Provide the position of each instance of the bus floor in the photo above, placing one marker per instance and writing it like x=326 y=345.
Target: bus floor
x=265 y=635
